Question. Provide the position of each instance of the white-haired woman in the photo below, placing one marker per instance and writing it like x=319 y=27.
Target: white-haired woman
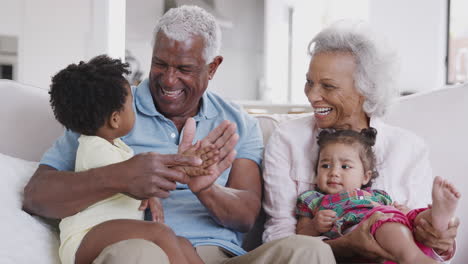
x=349 y=85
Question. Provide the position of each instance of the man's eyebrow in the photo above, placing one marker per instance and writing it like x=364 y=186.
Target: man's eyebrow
x=186 y=65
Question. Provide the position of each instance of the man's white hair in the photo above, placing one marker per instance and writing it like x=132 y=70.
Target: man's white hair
x=375 y=64
x=186 y=21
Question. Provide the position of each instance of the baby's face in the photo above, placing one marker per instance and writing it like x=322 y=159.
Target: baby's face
x=127 y=113
x=340 y=169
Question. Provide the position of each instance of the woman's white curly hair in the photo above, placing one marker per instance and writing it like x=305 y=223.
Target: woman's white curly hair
x=186 y=21
x=375 y=63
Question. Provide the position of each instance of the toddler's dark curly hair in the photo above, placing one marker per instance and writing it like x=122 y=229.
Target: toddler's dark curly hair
x=364 y=140
x=84 y=95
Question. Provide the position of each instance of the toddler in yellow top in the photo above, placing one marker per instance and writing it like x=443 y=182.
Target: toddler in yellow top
x=95 y=100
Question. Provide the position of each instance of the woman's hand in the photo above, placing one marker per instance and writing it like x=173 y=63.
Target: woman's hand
x=403 y=208
x=362 y=239
x=156 y=208
x=360 y=243
x=441 y=242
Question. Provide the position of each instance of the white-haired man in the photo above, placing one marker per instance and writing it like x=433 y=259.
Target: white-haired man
x=211 y=211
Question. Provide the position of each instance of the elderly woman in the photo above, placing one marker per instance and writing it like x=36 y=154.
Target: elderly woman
x=349 y=85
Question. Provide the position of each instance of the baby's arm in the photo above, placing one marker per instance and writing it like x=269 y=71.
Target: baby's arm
x=320 y=223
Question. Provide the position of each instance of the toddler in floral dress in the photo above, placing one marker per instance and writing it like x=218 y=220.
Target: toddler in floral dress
x=343 y=198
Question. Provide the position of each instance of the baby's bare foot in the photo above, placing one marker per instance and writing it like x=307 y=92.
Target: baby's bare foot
x=444 y=202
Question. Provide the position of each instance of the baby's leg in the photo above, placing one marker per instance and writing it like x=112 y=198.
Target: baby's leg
x=113 y=231
x=444 y=202
x=398 y=240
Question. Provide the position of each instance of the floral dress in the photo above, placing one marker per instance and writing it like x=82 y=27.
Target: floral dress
x=350 y=207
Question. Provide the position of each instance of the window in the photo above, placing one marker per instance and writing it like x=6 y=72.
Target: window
x=8 y=57
x=457 y=42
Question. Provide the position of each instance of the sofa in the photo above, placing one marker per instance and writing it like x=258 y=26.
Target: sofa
x=28 y=129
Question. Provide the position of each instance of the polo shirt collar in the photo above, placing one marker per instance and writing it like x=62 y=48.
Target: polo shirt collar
x=144 y=103
x=207 y=109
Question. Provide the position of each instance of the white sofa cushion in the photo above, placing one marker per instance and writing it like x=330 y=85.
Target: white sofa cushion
x=24 y=238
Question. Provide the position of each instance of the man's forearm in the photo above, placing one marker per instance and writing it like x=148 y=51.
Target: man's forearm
x=58 y=194
x=232 y=208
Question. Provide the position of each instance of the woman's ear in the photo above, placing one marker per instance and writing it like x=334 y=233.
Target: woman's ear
x=114 y=120
x=367 y=177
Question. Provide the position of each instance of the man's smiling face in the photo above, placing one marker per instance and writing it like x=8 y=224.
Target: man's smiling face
x=179 y=75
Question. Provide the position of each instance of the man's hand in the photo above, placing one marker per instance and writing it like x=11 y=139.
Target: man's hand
x=323 y=220
x=150 y=175
x=440 y=241
x=360 y=242
x=224 y=139
x=156 y=208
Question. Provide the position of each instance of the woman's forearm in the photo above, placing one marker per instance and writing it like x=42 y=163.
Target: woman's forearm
x=342 y=249
x=306 y=227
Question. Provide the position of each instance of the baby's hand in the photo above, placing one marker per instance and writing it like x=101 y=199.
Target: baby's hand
x=208 y=154
x=403 y=208
x=323 y=220
x=156 y=208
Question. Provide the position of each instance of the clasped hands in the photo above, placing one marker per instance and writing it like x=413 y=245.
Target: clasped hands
x=197 y=165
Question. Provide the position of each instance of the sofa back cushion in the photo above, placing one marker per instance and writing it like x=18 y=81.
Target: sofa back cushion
x=28 y=126
x=441 y=118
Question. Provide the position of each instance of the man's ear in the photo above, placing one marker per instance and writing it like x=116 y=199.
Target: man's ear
x=214 y=66
x=367 y=177
x=114 y=120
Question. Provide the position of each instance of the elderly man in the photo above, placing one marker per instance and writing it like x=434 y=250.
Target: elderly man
x=211 y=211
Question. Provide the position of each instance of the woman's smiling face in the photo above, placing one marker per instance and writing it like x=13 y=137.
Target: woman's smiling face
x=331 y=91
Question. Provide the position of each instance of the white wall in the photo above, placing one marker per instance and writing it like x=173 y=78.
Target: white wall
x=276 y=51
x=239 y=75
x=10 y=17
x=108 y=28
x=417 y=29
x=142 y=16
x=54 y=33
